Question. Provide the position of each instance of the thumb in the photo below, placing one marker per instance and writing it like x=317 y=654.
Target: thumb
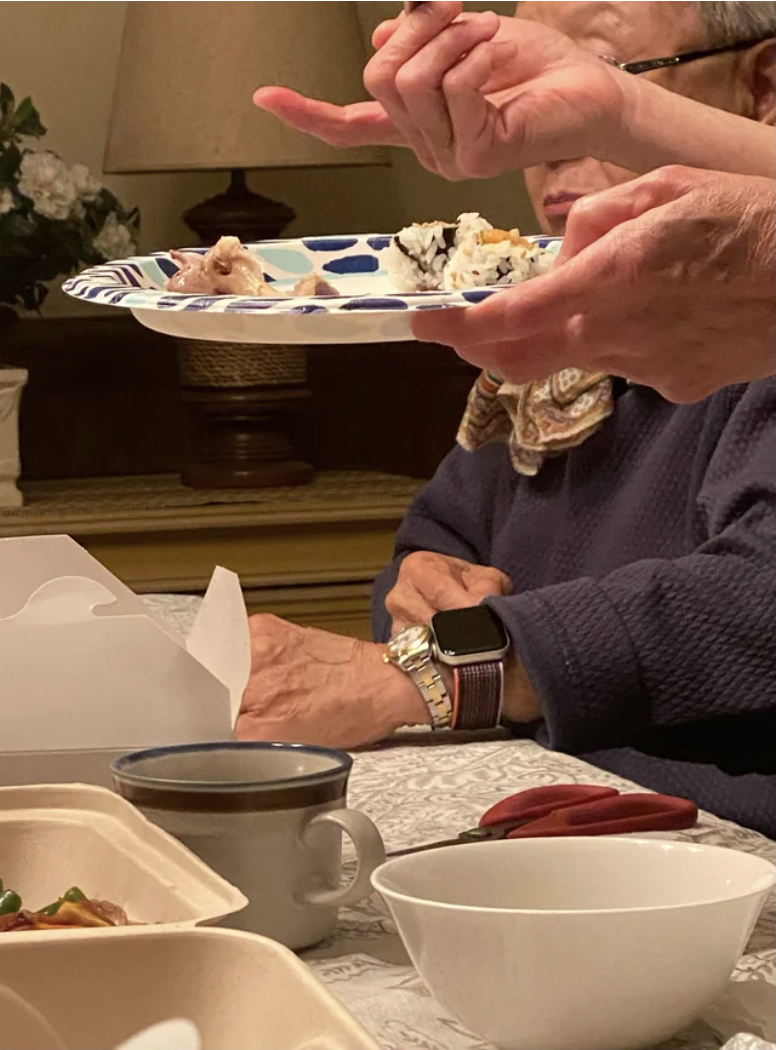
x=593 y=217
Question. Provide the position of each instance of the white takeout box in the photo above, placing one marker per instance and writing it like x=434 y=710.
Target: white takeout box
x=240 y=990
x=87 y=672
x=56 y=836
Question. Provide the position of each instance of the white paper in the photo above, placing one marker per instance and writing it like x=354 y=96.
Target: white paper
x=85 y=668
x=220 y=638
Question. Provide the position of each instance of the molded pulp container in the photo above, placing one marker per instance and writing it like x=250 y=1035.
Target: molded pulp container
x=243 y=992
x=56 y=836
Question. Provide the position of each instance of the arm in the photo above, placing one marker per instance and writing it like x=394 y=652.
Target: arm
x=475 y=96
x=445 y=521
x=665 y=645
x=699 y=243
x=659 y=128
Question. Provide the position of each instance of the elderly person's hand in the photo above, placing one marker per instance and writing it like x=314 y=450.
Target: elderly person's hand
x=309 y=686
x=475 y=95
x=472 y=94
x=666 y=280
x=429 y=583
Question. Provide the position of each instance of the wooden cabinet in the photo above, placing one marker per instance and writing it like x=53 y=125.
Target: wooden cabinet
x=309 y=554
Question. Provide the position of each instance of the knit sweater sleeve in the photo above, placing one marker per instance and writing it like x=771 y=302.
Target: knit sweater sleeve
x=659 y=645
x=453 y=514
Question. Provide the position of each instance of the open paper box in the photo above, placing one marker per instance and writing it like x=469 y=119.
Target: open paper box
x=86 y=672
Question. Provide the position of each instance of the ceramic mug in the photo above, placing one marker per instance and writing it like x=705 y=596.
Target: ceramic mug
x=268 y=818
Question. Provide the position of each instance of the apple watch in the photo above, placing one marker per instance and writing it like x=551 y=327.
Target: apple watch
x=474 y=644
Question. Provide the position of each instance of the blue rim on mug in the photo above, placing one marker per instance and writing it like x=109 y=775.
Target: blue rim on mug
x=151 y=791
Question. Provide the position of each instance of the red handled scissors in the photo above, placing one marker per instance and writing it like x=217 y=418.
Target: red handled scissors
x=573 y=809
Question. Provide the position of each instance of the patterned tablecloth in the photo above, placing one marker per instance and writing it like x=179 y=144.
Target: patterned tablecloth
x=420 y=789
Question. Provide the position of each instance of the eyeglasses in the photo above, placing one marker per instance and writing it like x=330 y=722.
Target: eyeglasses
x=677 y=60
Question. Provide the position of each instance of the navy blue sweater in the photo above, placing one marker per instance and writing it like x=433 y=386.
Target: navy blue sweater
x=644 y=573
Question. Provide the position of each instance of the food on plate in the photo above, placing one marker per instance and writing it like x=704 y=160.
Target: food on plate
x=491 y=257
x=228 y=268
x=419 y=253
x=225 y=269
x=468 y=253
x=314 y=284
x=423 y=257
x=73 y=910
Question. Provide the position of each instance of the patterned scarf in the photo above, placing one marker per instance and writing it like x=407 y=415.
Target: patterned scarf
x=538 y=419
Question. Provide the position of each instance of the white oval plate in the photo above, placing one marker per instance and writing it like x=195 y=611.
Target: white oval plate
x=367 y=310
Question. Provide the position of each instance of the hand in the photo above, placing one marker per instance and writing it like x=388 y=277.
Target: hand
x=429 y=583
x=666 y=280
x=309 y=686
x=473 y=95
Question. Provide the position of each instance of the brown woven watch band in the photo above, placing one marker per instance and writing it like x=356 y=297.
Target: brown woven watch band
x=479 y=696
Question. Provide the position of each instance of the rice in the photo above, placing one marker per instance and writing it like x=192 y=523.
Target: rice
x=418 y=254
x=484 y=258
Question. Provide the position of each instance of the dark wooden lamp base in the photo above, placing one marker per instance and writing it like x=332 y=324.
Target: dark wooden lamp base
x=244 y=399
x=240 y=440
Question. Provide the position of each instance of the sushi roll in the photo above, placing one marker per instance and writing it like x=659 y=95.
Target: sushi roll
x=494 y=257
x=418 y=254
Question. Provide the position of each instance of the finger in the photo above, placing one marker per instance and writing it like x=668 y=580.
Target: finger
x=381 y=71
x=359 y=124
x=385 y=31
x=486 y=583
x=472 y=115
x=445 y=592
x=412 y=34
x=593 y=217
x=406 y=603
x=420 y=80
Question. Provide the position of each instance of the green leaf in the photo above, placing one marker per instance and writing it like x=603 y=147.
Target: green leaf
x=10 y=159
x=6 y=100
x=26 y=120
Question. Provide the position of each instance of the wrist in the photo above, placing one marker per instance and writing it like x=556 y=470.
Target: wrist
x=521 y=701
x=393 y=696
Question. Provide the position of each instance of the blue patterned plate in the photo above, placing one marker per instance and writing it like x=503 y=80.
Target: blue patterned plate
x=367 y=310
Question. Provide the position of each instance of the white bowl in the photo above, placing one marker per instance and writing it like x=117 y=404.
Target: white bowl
x=576 y=944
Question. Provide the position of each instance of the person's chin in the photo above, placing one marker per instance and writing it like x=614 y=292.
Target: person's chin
x=553 y=225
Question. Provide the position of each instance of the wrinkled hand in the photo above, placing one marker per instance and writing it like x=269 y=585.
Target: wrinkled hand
x=473 y=95
x=666 y=280
x=310 y=686
x=429 y=583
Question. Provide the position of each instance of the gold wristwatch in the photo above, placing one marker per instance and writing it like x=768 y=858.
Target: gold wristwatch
x=411 y=650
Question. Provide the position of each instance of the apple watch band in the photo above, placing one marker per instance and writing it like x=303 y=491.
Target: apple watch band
x=479 y=695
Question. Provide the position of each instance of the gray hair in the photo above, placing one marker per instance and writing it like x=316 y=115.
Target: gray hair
x=730 y=21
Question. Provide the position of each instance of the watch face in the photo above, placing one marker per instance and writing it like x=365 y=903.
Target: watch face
x=469 y=632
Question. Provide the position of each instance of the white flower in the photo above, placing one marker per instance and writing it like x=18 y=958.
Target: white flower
x=86 y=186
x=6 y=202
x=114 y=241
x=47 y=181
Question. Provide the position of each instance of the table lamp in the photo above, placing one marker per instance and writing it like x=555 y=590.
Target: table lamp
x=183 y=102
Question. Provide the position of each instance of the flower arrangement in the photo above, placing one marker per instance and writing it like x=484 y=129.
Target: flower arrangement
x=54 y=218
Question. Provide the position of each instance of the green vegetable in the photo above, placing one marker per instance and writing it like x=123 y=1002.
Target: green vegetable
x=10 y=902
x=72 y=896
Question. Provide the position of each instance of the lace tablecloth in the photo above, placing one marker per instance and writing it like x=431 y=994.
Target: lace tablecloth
x=420 y=789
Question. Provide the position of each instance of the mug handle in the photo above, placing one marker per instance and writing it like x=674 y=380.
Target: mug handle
x=369 y=849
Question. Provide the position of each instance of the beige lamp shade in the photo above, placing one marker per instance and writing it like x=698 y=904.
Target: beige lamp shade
x=187 y=73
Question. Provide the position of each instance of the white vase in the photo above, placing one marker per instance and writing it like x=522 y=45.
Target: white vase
x=12 y=382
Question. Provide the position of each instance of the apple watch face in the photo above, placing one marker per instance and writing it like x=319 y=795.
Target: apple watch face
x=469 y=632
